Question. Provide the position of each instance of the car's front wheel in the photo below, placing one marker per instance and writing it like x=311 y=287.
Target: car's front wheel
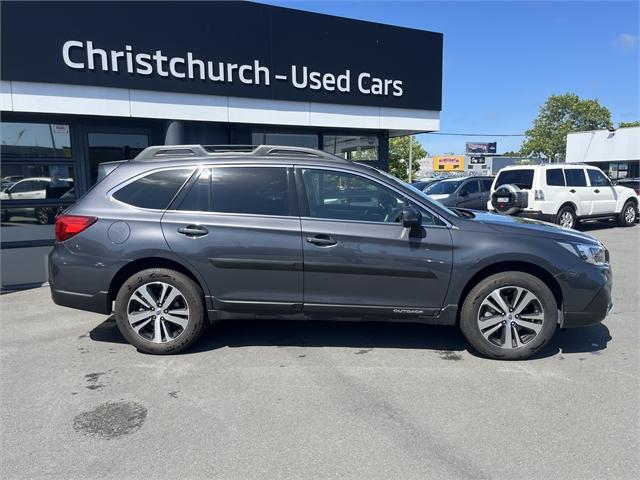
x=509 y=316
x=160 y=311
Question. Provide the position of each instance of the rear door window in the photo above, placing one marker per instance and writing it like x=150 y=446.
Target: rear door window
x=471 y=186
x=155 y=190
x=555 y=177
x=251 y=190
x=523 y=178
x=198 y=198
x=575 y=177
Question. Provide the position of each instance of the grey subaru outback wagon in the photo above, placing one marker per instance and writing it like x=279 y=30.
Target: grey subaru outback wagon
x=185 y=235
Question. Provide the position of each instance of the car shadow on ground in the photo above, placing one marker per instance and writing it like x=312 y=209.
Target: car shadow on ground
x=591 y=225
x=360 y=335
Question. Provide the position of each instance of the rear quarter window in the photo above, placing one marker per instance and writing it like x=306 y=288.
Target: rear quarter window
x=555 y=177
x=155 y=190
x=522 y=178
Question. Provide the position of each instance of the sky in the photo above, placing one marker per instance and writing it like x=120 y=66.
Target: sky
x=503 y=59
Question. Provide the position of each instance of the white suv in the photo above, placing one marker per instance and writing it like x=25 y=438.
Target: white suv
x=562 y=194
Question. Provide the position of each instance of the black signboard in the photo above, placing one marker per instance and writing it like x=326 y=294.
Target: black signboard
x=237 y=49
x=481 y=147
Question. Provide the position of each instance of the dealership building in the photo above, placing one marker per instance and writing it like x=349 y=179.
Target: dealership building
x=89 y=82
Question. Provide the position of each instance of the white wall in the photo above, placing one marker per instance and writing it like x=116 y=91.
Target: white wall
x=117 y=102
x=602 y=145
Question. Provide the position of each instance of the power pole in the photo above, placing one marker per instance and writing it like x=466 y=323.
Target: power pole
x=410 y=157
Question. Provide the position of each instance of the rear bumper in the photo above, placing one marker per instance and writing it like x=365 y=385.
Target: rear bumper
x=97 y=302
x=79 y=281
x=537 y=215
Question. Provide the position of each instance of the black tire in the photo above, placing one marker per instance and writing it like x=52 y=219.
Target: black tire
x=472 y=304
x=628 y=215
x=567 y=212
x=193 y=298
x=44 y=216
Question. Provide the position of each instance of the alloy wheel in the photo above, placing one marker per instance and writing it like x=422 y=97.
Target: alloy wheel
x=158 y=312
x=566 y=219
x=510 y=317
x=630 y=214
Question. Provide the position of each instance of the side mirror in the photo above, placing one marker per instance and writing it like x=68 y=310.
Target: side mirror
x=411 y=217
x=613 y=182
x=464 y=193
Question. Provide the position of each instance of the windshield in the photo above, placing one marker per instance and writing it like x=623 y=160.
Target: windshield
x=443 y=187
x=425 y=198
x=523 y=178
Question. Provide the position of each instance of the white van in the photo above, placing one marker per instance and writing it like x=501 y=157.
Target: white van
x=562 y=194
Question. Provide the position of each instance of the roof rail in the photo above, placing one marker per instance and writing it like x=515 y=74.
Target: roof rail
x=281 y=150
x=157 y=152
x=187 y=151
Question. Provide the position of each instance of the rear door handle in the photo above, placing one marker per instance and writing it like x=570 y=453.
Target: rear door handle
x=572 y=191
x=322 y=240
x=193 y=231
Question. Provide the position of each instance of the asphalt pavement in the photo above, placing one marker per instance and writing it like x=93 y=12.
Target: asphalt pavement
x=318 y=400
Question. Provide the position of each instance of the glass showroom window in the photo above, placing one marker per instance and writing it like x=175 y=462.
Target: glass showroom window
x=355 y=148
x=288 y=139
x=37 y=177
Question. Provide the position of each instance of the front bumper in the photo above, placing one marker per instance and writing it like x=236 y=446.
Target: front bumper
x=581 y=307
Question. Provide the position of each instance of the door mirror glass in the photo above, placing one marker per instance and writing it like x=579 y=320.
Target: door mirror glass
x=411 y=217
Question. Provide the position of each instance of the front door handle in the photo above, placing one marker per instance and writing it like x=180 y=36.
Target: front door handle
x=597 y=191
x=572 y=191
x=193 y=231
x=322 y=240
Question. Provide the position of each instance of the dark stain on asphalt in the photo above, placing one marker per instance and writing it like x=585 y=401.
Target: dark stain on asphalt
x=301 y=356
x=111 y=420
x=363 y=351
x=448 y=355
x=92 y=380
x=174 y=394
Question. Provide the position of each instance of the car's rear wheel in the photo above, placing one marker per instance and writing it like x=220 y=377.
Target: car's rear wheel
x=509 y=316
x=628 y=215
x=566 y=217
x=160 y=311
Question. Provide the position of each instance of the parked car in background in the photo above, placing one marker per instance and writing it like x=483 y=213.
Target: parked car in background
x=632 y=183
x=562 y=194
x=34 y=188
x=287 y=232
x=422 y=184
x=462 y=192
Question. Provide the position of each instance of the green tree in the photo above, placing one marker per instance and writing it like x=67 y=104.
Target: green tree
x=629 y=124
x=560 y=115
x=510 y=153
x=399 y=156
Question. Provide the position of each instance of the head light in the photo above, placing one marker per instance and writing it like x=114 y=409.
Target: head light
x=595 y=254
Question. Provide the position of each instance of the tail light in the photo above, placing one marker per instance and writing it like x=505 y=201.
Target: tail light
x=69 y=225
